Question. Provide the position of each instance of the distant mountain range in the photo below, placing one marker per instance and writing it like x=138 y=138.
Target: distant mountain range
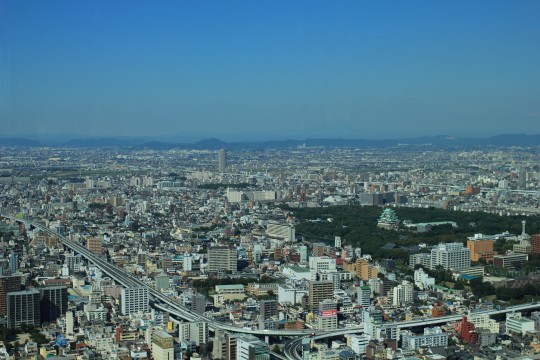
x=216 y=144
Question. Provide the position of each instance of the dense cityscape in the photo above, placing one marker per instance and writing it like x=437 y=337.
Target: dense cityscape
x=404 y=252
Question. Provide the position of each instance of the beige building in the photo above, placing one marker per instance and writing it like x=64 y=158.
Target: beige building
x=162 y=345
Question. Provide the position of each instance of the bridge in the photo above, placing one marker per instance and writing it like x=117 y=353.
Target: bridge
x=159 y=300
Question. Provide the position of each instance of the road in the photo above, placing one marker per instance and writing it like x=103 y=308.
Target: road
x=160 y=300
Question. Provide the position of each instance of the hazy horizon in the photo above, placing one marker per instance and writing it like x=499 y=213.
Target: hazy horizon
x=269 y=71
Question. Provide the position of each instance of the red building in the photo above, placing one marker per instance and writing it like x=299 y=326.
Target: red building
x=467 y=331
x=535 y=244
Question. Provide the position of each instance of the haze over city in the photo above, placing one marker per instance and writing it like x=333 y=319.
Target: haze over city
x=274 y=70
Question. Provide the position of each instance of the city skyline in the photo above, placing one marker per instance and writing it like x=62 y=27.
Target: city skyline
x=242 y=70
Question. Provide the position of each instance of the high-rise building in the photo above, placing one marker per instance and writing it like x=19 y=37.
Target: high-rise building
x=302 y=250
x=70 y=323
x=222 y=158
x=133 y=300
x=23 y=308
x=13 y=262
x=319 y=291
x=198 y=303
x=450 y=256
x=251 y=348
x=402 y=294
x=327 y=318
x=364 y=296
x=268 y=309
x=8 y=284
x=95 y=245
x=222 y=258
x=194 y=331
x=53 y=303
x=219 y=350
x=230 y=346
x=522 y=179
x=162 y=345
x=535 y=244
x=74 y=263
x=365 y=270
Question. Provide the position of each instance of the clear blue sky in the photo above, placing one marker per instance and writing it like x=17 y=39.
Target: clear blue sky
x=269 y=69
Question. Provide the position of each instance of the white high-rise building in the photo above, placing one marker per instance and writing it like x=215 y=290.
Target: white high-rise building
x=402 y=294
x=70 y=321
x=133 y=300
x=187 y=265
x=364 y=296
x=450 y=256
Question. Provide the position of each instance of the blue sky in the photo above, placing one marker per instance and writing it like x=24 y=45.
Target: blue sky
x=269 y=69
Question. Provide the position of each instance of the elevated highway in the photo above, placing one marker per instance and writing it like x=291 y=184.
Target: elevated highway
x=159 y=300
x=293 y=348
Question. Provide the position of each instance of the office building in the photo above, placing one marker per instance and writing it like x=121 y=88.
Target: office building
x=327 y=318
x=510 y=260
x=23 y=308
x=517 y=324
x=133 y=300
x=222 y=258
x=452 y=256
x=318 y=263
x=319 y=291
x=222 y=159
x=53 y=303
x=8 y=284
x=162 y=345
x=480 y=248
x=251 y=348
x=268 y=309
x=194 y=331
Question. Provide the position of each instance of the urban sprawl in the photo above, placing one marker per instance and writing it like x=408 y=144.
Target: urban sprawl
x=408 y=252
